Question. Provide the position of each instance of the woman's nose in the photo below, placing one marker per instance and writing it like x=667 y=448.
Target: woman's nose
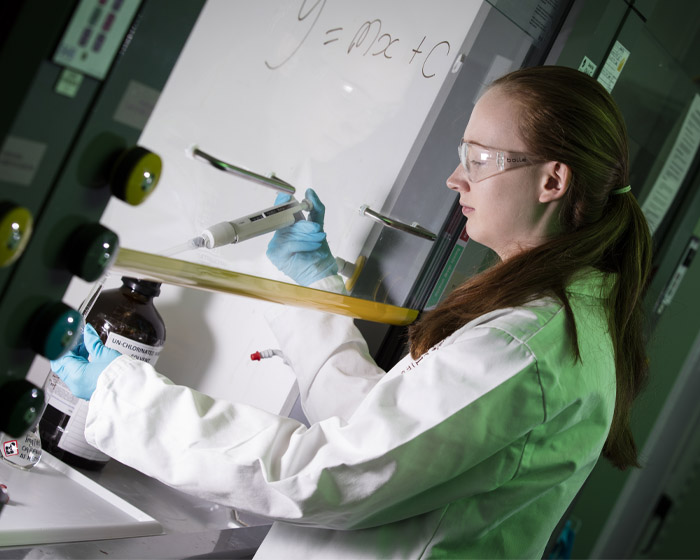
x=458 y=180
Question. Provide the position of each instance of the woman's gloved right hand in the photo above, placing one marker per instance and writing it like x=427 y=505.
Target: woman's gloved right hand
x=301 y=250
x=80 y=368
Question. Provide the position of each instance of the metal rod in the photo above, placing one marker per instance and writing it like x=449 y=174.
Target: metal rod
x=414 y=229
x=274 y=182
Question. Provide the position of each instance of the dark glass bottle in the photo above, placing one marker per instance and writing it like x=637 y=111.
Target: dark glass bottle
x=126 y=319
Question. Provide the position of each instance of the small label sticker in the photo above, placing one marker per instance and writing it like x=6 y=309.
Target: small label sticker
x=587 y=66
x=136 y=105
x=20 y=159
x=613 y=66
x=69 y=83
x=10 y=448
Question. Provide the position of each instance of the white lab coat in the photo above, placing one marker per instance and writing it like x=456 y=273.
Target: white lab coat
x=475 y=449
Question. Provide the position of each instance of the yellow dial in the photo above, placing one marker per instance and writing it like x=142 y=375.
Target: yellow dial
x=15 y=230
x=136 y=175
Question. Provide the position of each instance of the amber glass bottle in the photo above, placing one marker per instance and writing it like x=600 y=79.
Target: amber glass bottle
x=126 y=319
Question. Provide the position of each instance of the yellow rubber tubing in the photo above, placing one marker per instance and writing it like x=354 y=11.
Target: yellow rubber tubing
x=202 y=277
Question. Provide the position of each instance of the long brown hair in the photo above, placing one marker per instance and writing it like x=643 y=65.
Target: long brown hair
x=568 y=117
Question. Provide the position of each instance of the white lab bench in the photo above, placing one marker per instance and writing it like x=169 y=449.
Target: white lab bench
x=115 y=513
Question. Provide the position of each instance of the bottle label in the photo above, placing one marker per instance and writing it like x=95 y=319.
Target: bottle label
x=137 y=350
x=60 y=396
x=73 y=438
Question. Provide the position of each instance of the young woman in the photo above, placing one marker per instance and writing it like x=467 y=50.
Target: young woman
x=476 y=442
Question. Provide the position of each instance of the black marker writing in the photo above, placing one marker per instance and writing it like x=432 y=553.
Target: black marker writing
x=301 y=17
x=441 y=43
x=369 y=39
x=334 y=30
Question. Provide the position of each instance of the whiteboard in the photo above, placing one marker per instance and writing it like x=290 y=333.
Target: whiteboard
x=324 y=94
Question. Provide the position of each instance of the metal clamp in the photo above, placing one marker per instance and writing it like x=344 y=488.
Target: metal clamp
x=272 y=181
x=413 y=229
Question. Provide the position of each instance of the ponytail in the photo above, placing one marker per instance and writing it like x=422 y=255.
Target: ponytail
x=630 y=258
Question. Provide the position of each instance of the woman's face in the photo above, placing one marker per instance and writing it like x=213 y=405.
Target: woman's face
x=504 y=212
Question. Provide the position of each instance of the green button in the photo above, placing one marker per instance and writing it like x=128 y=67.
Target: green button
x=20 y=403
x=55 y=330
x=92 y=249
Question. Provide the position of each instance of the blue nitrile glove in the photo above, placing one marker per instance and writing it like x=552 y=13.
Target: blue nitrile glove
x=74 y=369
x=301 y=250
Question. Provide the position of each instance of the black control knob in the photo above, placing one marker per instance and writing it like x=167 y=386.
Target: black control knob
x=55 y=329
x=91 y=250
x=21 y=404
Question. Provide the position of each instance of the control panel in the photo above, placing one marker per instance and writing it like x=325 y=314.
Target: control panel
x=68 y=143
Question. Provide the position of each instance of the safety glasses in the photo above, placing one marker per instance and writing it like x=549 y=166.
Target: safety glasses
x=482 y=163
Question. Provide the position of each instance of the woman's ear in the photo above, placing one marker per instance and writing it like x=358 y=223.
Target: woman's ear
x=556 y=177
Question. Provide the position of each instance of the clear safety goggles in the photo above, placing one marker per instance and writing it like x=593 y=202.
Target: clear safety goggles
x=482 y=163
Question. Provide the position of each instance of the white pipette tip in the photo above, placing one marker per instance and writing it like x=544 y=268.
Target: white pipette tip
x=189 y=151
x=198 y=242
x=194 y=243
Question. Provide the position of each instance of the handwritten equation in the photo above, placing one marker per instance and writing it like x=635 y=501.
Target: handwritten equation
x=369 y=39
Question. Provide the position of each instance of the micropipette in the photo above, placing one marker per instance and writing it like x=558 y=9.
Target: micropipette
x=253 y=225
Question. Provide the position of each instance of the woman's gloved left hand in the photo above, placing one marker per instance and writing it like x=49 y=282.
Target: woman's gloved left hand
x=80 y=368
x=301 y=250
